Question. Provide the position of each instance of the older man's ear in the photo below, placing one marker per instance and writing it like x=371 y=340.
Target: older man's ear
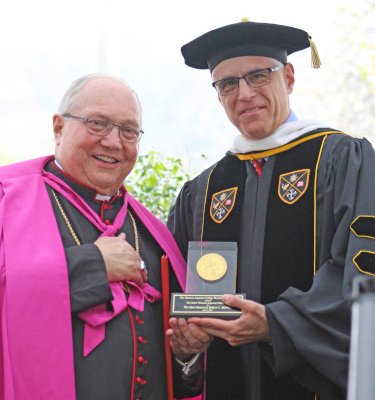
x=58 y=124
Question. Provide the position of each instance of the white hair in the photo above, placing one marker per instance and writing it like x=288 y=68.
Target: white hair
x=72 y=99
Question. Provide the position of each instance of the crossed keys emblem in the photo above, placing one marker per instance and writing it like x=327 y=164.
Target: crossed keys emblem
x=222 y=204
x=293 y=185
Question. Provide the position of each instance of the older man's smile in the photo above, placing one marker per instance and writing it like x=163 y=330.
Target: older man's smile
x=106 y=159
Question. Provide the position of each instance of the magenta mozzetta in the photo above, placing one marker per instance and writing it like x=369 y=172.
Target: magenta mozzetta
x=36 y=333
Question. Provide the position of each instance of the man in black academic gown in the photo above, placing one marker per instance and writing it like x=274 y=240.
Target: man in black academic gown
x=297 y=197
x=109 y=303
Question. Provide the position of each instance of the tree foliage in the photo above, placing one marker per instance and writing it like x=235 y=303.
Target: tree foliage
x=156 y=181
x=5 y=160
x=342 y=92
x=357 y=65
x=349 y=89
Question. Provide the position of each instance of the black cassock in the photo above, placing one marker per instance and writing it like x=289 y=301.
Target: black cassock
x=134 y=340
x=297 y=255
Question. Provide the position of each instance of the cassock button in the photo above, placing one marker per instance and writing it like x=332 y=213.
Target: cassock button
x=142 y=360
x=139 y=320
x=107 y=206
x=108 y=222
x=141 y=381
x=140 y=338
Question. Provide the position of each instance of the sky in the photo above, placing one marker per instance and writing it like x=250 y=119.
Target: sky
x=46 y=45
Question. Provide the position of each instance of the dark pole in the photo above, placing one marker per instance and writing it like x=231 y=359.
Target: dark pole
x=362 y=343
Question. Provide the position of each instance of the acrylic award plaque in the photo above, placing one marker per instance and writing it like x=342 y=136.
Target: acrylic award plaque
x=211 y=272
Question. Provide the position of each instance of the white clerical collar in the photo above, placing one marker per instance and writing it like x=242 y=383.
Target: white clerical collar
x=58 y=164
x=101 y=197
x=284 y=134
x=98 y=196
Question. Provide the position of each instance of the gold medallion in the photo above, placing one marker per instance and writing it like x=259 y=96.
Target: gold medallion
x=211 y=267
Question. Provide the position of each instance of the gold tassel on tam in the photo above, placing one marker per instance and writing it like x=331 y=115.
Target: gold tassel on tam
x=315 y=59
x=245 y=19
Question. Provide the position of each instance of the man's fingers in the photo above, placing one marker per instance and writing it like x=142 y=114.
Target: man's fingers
x=187 y=339
x=186 y=335
x=199 y=334
x=212 y=331
x=181 y=330
x=174 y=332
x=234 y=301
x=138 y=276
x=182 y=333
x=139 y=282
x=122 y=262
x=214 y=326
x=209 y=323
x=144 y=275
x=194 y=335
x=252 y=326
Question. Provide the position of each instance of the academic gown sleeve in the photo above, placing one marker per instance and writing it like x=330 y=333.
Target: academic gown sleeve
x=180 y=219
x=311 y=331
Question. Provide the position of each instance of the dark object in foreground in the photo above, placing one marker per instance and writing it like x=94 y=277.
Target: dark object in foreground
x=362 y=345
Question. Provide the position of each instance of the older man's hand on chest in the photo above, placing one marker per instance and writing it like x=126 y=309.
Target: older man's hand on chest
x=122 y=262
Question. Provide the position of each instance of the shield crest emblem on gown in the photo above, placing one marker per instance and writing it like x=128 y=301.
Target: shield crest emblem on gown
x=222 y=204
x=293 y=185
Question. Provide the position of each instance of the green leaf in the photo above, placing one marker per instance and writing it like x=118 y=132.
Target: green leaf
x=156 y=181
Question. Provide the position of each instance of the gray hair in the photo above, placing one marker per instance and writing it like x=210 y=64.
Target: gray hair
x=276 y=62
x=72 y=99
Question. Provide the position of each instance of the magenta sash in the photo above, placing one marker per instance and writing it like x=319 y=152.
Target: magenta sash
x=96 y=317
x=37 y=348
